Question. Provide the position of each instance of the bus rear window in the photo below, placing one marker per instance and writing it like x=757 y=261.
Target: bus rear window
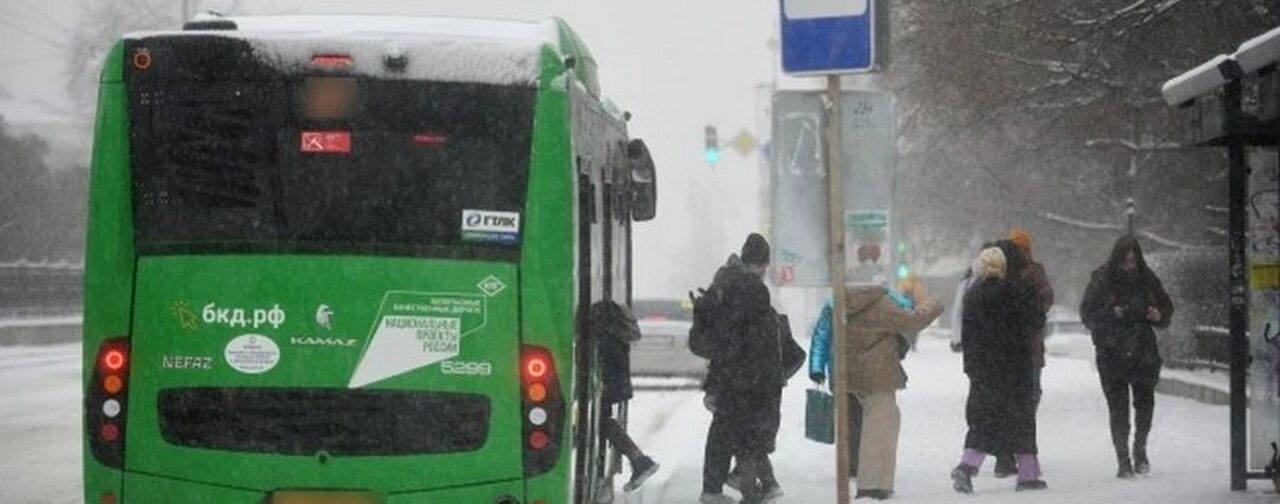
x=337 y=421
x=330 y=165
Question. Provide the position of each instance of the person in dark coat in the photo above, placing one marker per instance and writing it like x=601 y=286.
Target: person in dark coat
x=616 y=329
x=1122 y=304
x=744 y=380
x=1000 y=316
x=1022 y=266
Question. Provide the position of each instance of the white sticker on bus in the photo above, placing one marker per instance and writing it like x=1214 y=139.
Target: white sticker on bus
x=252 y=353
x=490 y=226
x=414 y=330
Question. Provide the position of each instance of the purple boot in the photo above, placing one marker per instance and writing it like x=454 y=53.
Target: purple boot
x=1029 y=477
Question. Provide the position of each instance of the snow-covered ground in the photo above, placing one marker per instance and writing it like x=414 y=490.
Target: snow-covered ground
x=1188 y=445
x=40 y=424
x=40 y=439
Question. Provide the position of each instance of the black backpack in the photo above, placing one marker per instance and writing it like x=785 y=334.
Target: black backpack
x=709 y=319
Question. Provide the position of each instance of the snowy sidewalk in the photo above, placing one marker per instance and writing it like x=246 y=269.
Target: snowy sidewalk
x=1188 y=444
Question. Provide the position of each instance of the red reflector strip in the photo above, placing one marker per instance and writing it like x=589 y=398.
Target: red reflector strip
x=332 y=60
x=429 y=139
x=332 y=142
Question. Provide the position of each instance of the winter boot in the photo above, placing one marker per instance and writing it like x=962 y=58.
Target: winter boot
x=1029 y=477
x=1006 y=466
x=1141 y=465
x=769 y=492
x=1125 y=470
x=738 y=480
x=715 y=498
x=962 y=478
x=642 y=469
x=873 y=494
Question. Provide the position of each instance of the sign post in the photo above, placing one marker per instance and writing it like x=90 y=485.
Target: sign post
x=832 y=37
x=837 y=261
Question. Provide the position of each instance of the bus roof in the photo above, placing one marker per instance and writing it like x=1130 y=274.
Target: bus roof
x=496 y=51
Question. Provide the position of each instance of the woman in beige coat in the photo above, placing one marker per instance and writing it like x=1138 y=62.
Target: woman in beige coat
x=875 y=323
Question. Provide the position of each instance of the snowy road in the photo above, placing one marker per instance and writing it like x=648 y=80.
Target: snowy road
x=40 y=443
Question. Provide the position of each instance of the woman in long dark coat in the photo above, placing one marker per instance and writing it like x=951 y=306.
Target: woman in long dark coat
x=1001 y=314
x=1123 y=302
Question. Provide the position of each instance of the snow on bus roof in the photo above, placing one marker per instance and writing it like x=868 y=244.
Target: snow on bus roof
x=483 y=28
x=436 y=48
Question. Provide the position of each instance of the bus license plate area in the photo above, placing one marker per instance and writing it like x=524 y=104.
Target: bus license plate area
x=291 y=497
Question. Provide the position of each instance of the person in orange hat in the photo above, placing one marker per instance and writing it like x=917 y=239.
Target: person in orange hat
x=1033 y=273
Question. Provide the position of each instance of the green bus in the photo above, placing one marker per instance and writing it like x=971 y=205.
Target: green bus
x=341 y=260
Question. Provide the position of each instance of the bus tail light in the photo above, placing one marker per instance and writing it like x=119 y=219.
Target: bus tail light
x=542 y=408
x=105 y=402
x=334 y=61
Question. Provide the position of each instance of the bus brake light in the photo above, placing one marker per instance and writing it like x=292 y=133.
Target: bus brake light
x=536 y=367
x=333 y=61
x=113 y=360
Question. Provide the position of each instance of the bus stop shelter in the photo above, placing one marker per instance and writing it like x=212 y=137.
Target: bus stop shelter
x=1232 y=101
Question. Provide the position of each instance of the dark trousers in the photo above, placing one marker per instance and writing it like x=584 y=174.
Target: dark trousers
x=744 y=426
x=718 y=453
x=855 y=433
x=1006 y=459
x=1119 y=387
x=618 y=437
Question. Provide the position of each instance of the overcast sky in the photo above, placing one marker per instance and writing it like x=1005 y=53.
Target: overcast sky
x=678 y=65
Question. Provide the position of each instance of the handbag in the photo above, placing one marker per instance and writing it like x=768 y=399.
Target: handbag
x=790 y=355
x=819 y=416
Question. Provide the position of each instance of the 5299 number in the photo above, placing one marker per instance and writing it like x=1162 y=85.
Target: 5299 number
x=466 y=368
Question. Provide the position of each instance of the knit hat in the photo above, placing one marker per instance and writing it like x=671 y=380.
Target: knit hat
x=755 y=250
x=1021 y=238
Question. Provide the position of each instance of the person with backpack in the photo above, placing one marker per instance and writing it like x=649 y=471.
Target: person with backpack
x=1123 y=302
x=616 y=329
x=737 y=329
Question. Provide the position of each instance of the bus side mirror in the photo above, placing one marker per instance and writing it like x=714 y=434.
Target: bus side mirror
x=644 y=182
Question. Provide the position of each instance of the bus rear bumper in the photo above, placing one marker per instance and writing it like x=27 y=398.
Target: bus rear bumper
x=147 y=489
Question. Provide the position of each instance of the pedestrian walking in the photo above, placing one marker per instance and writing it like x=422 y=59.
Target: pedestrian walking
x=877 y=318
x=744 y=379
x=1022 y=265
x=1001 y=315
x=1123 y=302
x=616 y=329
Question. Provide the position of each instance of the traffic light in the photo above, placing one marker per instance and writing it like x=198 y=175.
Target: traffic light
x=711 y=152
x=903 y=270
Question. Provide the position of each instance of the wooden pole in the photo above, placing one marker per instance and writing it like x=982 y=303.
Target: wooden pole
x=835 y=192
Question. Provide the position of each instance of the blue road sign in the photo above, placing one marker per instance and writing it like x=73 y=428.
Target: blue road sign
x=821 y=37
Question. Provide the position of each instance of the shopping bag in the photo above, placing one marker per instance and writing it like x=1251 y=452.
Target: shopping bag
x=819 y=416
